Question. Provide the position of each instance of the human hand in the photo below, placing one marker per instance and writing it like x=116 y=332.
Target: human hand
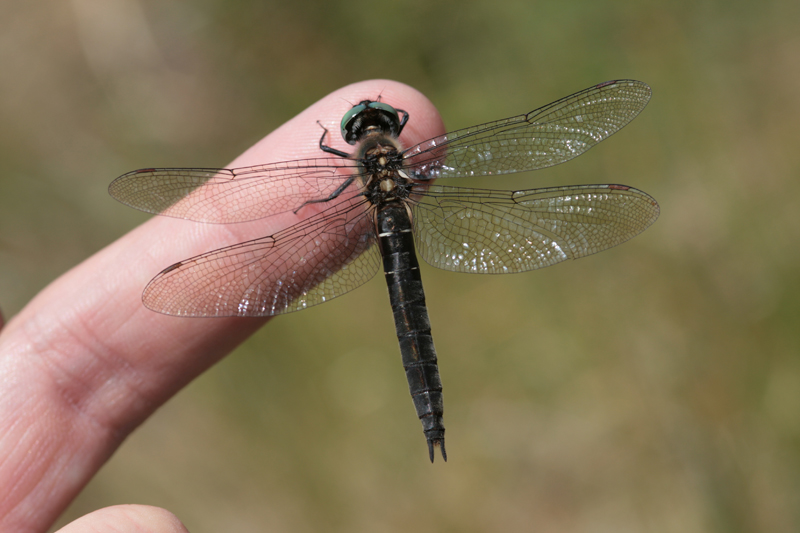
x=85 y=363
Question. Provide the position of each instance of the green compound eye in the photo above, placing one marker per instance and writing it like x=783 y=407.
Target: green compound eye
x=384 y=107
x=350 y=117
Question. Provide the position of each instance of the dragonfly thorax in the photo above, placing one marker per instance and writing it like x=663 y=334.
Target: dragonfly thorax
x=379 y=154
x=382 y=177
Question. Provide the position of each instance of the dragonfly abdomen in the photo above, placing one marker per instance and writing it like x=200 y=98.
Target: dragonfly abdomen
x=407 y=297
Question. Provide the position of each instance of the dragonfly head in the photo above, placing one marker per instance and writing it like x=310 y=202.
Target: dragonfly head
x=368 y=117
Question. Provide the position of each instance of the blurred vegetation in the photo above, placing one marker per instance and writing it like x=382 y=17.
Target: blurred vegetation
x=654 y=387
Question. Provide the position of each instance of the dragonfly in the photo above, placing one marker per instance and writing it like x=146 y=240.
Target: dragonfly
x=383 y=204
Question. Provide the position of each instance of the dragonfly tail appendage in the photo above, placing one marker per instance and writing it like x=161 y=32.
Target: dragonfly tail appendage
x=433 y=442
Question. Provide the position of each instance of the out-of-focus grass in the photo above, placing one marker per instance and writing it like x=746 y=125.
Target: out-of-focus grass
x=654 y=387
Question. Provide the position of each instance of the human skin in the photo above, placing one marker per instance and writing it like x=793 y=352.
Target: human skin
x=85 y=363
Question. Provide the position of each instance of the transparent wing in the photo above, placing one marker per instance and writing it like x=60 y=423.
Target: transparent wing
x=306 y=264
x=223 y=195
x=542 y=138
x=495 y=232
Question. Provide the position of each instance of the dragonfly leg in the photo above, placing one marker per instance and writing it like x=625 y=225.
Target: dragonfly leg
x=325 y=148
x=333 y=195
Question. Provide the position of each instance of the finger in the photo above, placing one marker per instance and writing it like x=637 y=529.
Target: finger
x=84 y=363
x=127 y=519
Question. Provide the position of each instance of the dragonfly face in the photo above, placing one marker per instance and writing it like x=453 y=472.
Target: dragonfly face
x=379 y=206
x=368 y=117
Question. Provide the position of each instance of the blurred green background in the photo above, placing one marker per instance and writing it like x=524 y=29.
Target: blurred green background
x=654 y=387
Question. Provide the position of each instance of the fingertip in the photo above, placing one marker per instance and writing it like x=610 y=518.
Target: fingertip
x=299 y=137
x=127 y=519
